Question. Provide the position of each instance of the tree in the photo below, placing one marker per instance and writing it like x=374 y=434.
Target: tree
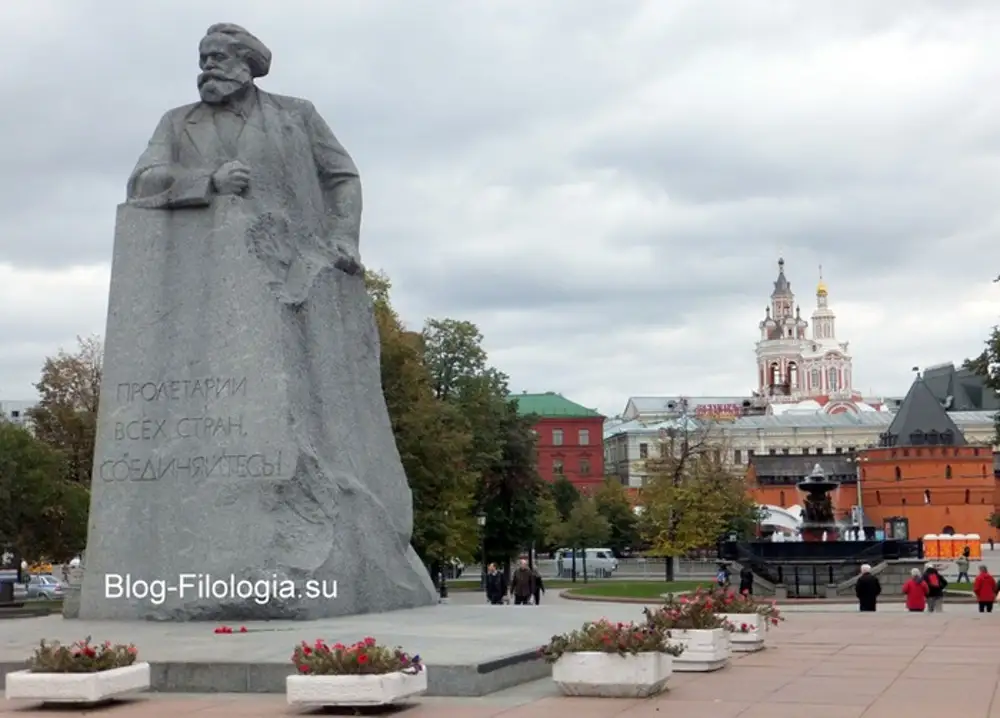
x=432 y=438
x=41 y=512
x=502 y=450
x=548 y=521
x=613 y=503
x=584 y=528
x=565 y=495
x=994 y=520
x=690 y=498
x=987 y=366
x=66 y=415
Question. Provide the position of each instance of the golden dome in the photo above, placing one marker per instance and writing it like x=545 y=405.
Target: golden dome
x=821 y=289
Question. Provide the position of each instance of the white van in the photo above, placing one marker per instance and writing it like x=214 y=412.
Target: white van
x=599 y=560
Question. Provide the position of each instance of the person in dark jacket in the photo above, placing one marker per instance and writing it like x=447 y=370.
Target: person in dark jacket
x=867 y=589
x=539 y=587
x=522 y=584
x=496 y=585
x=936 y=584
x=746 y=580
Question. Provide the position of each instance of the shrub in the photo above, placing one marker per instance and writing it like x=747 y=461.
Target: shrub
x=732 y=602
x=363 y=658
x=81 y=657
x=696 y=611
x=606 y=637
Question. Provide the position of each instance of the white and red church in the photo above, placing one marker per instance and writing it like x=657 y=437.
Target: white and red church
x=805 y=371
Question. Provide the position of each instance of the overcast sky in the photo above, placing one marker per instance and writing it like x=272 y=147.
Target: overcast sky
x=603 y=187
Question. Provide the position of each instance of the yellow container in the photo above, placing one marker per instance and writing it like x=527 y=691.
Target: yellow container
x=976 y=546
x=932 y=548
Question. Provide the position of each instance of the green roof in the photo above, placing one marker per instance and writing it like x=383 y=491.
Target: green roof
x=551 y=404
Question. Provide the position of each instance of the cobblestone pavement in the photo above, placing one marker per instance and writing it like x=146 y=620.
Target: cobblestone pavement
x=830 y=664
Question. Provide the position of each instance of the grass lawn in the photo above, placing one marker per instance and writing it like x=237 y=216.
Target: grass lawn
x=960 y=586
x=636 y=589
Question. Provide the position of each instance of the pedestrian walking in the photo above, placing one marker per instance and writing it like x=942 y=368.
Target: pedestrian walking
x=915 y=591
x=867 y=589
x=936 y=584
x=985 y=588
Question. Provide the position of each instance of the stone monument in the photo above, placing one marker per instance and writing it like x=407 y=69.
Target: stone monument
x=245 y=465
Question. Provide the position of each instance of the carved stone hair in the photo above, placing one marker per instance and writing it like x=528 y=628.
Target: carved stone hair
x=255 y=52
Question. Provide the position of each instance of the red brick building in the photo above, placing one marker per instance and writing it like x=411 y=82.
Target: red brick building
x=570 y=438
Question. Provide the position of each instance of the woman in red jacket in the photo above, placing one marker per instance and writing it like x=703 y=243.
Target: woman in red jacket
x=985 y=588
x=915 y=591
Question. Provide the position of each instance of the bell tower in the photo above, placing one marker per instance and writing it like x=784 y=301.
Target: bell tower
x=779 y=351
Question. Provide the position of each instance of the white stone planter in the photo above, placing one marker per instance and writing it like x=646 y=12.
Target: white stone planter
x=609 y=675
x=77 y=687
x=750 y=641
x=704 y=649
x=370 y=690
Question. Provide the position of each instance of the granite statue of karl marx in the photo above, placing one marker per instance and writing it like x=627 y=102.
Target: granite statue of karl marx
x=236 y=255
x=276 y=152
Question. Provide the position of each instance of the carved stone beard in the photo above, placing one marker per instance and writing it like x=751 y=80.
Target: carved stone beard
x=219 y=90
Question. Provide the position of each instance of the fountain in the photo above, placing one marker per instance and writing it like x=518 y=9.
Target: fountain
x=818 y=522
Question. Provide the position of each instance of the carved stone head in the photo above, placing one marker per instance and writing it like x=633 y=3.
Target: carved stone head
x=230 y=58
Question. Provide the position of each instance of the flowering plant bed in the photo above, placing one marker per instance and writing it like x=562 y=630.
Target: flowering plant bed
x=692 y=622
x=611 y=660
x=79 y=673
x=747 y=619
x=742 y=603
x=360 y=674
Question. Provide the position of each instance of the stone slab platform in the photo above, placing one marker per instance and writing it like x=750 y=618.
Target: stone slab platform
x=469 y=650
x=819 y=664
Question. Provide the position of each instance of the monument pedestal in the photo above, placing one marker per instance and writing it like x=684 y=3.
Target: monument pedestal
x=245 y=466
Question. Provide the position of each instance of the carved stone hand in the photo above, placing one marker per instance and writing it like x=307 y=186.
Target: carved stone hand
x=347 y=259
x=232 y=178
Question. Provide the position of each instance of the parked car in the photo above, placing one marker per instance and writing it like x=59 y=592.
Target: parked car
x=45 y=587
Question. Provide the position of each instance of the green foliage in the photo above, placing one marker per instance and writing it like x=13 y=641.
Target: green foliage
x=585 y=527
x=614 y=505
x=66 y=415
x=432 y=437
x=547 y=520
x=565 y=495
x=690 y=500
x=81 y=657
x=41 y=511
x=987 y=365
x=364 y=658
x=502 y=450
x=994 y=520
x=606 y=637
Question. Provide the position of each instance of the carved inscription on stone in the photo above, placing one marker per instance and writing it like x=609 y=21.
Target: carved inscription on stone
x=140 y=437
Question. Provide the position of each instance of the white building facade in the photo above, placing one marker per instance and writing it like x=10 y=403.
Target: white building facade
x=16 y=411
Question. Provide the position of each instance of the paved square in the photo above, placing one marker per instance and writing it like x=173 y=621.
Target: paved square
x=820 y=664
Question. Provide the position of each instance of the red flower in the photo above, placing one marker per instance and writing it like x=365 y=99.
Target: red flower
x=243 y=629
x=362 y=659
x=369 y=641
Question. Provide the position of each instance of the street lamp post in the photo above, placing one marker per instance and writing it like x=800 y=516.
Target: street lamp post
x=481 y=521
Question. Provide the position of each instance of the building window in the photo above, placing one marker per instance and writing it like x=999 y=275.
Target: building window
x=838 y=450
x=851 y=449
x=557 y=468
x=833 y=379
x=772 y=452
x=737 y=456
x=903 y=501
x=557 y=437
x=927 y=496
x=15 y=414
x=749 y=454
x=899 y=474
x=814 y=379
x=643 y=451
x=819 y=451
x=878 y=497
x=967 y=496
x=785 y=452
x=781 y=499
x=947 y=471
x=583 y=437
x=584 y=467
